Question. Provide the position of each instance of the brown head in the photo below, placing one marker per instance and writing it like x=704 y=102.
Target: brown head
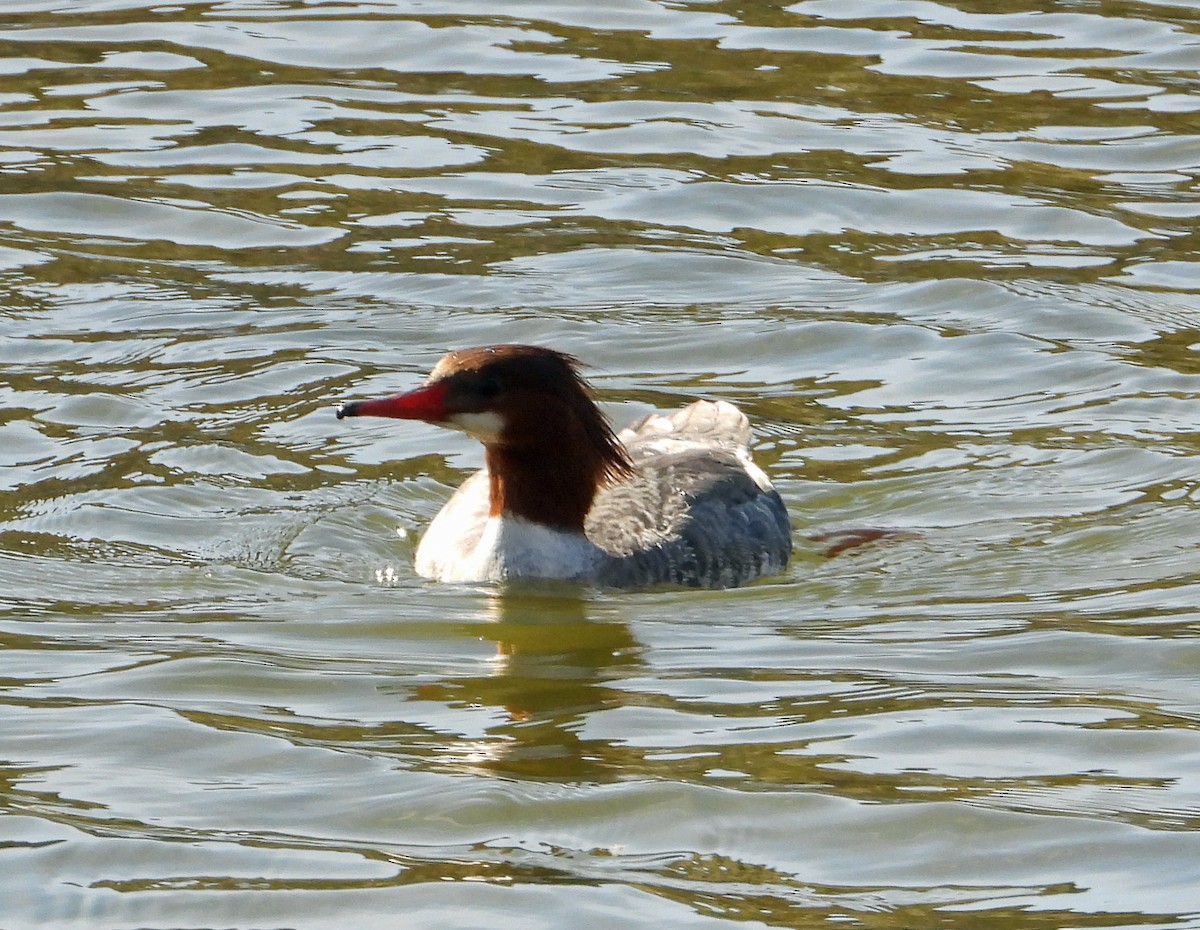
x=549 y=448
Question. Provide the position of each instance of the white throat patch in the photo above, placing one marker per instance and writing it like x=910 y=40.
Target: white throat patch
x=486 y=426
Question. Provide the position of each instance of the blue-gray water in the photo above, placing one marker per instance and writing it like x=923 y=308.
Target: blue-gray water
x=945 y=258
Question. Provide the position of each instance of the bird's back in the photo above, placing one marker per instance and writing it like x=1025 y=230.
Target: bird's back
x=697 y=511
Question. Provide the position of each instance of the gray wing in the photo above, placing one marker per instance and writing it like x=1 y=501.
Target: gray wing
x=697 y=512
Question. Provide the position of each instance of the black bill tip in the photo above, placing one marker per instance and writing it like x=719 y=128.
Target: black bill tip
x=348 y=409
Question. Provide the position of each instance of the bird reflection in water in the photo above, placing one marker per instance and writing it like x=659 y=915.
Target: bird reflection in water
x=555 y=658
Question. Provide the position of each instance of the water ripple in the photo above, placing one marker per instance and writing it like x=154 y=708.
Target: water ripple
x=942 y=255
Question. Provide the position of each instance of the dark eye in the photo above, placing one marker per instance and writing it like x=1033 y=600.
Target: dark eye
x=489 y=386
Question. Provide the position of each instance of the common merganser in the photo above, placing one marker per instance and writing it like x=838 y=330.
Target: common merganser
x=671 y=499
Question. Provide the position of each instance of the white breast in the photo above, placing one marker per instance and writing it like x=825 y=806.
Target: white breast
x=507 y=547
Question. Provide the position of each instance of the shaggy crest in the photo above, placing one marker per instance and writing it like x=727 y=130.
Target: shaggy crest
x=499 y=375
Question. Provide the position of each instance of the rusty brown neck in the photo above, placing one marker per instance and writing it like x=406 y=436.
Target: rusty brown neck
x=547 y=470
x=552 y=487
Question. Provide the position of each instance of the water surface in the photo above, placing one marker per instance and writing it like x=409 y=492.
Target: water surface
x=945 y=258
